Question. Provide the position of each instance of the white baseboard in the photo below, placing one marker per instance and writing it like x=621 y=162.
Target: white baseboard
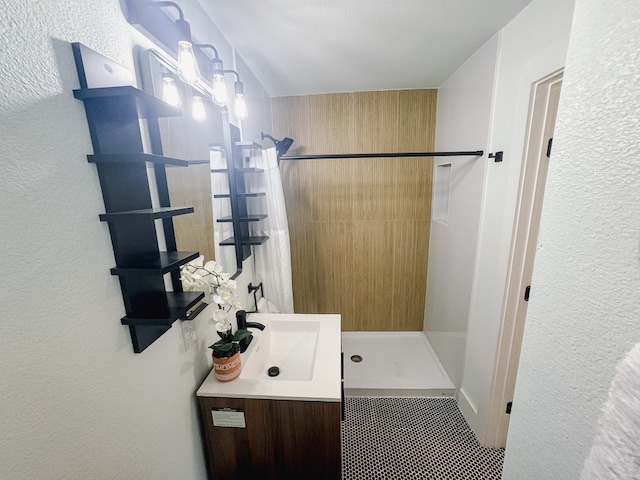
x=470 y=412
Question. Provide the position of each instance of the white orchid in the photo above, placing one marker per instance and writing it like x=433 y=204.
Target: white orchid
x=223 y=295
x=212 y=265
x=223 y=324
x=229 y=342
x=197 y=276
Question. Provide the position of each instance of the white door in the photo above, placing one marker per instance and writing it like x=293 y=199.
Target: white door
x=542 y=118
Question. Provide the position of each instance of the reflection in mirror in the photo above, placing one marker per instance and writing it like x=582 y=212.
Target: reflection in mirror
x=186 y=137
x=212 y=146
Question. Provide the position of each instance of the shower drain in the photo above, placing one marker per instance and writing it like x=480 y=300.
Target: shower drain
x=356 y=358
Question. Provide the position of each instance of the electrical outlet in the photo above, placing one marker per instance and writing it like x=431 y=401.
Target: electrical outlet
x=189 y=333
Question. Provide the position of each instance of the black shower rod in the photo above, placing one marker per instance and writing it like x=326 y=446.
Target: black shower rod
x=477 y=153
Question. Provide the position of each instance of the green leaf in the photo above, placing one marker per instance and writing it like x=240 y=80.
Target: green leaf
x=226 y=336
x=225 y=347
x=221 y=346
x=242 y=334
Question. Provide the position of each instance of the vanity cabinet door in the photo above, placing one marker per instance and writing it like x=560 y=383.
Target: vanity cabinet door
x=280 y=439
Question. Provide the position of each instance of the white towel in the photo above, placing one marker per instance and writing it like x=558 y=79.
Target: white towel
x=615 y=453
x=265 y=306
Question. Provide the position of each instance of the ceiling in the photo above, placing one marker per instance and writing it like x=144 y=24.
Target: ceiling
x=298 y=47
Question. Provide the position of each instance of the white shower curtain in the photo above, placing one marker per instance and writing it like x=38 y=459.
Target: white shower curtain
x=272 y=260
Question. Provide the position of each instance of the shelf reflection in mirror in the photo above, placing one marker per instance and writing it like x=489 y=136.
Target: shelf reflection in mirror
x=188 y=139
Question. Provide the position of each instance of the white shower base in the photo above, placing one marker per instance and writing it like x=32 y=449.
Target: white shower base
x=393 y=364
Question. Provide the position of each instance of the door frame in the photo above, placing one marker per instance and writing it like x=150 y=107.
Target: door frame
x=540 y=124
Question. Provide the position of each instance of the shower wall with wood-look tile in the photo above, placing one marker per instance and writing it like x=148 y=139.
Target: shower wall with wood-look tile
x=359 y=227
x=189 y=140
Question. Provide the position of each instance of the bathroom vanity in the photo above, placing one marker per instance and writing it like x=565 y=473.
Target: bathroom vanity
x=285 y=426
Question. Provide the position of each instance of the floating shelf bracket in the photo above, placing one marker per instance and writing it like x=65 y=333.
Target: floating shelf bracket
x=496 y=156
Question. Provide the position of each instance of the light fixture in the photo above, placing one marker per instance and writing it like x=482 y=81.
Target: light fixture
x=187 y=64
x=198 y=112
x=218 y=85
x=170 y=91
x=240 y=103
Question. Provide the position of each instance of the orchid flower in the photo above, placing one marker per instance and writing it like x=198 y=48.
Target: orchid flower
x=209 y=277
x=222 y=322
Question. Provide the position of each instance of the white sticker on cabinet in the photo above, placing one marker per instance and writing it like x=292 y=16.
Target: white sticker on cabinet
x=228 y=417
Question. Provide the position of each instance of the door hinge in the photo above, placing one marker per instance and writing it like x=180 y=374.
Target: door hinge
x=527 y=291
x=549 y=147
x=508 y=411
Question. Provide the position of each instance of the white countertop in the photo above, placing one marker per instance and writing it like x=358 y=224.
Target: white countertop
x=325 y=384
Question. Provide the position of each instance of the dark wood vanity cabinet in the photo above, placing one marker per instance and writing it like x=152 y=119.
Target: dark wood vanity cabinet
x=281 y=439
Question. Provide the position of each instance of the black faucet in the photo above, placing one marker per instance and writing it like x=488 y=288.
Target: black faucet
x=241 y=317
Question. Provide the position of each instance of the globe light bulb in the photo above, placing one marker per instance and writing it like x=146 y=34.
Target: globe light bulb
x=187 y=65
x=170 y=92
x=198 y=112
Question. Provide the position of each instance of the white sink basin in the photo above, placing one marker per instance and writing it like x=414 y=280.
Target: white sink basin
x=306 y=349
x=289 y=345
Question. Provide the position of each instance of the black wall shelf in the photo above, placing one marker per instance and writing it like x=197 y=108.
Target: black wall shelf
x=159 y=264
x=238 y=170
x=240 y=194
x=247 y=218
x=136 y=157
x=240 y=217
x=258 y=240
x=147 y=106
x=176 y=305
x=113 y=115
x=153 y=213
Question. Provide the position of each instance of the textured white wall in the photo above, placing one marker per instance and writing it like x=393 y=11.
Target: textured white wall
x=462 y=123
x=584 y=309
x=75 y=402
x=532 y=46
x=259 y=102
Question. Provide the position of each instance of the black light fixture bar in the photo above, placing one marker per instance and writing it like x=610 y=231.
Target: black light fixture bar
x=239 y=109
x=477 y=153
x=202 y=46
x=215 y=64
x=170 y=67
x=183 y=29
x=238 y=85
x=156 y=24
x=234 y=72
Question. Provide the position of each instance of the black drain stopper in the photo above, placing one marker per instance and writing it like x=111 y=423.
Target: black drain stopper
x=273 y=371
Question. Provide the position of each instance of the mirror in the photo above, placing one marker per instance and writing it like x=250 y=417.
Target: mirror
x=211 y=146
x=185 y=138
